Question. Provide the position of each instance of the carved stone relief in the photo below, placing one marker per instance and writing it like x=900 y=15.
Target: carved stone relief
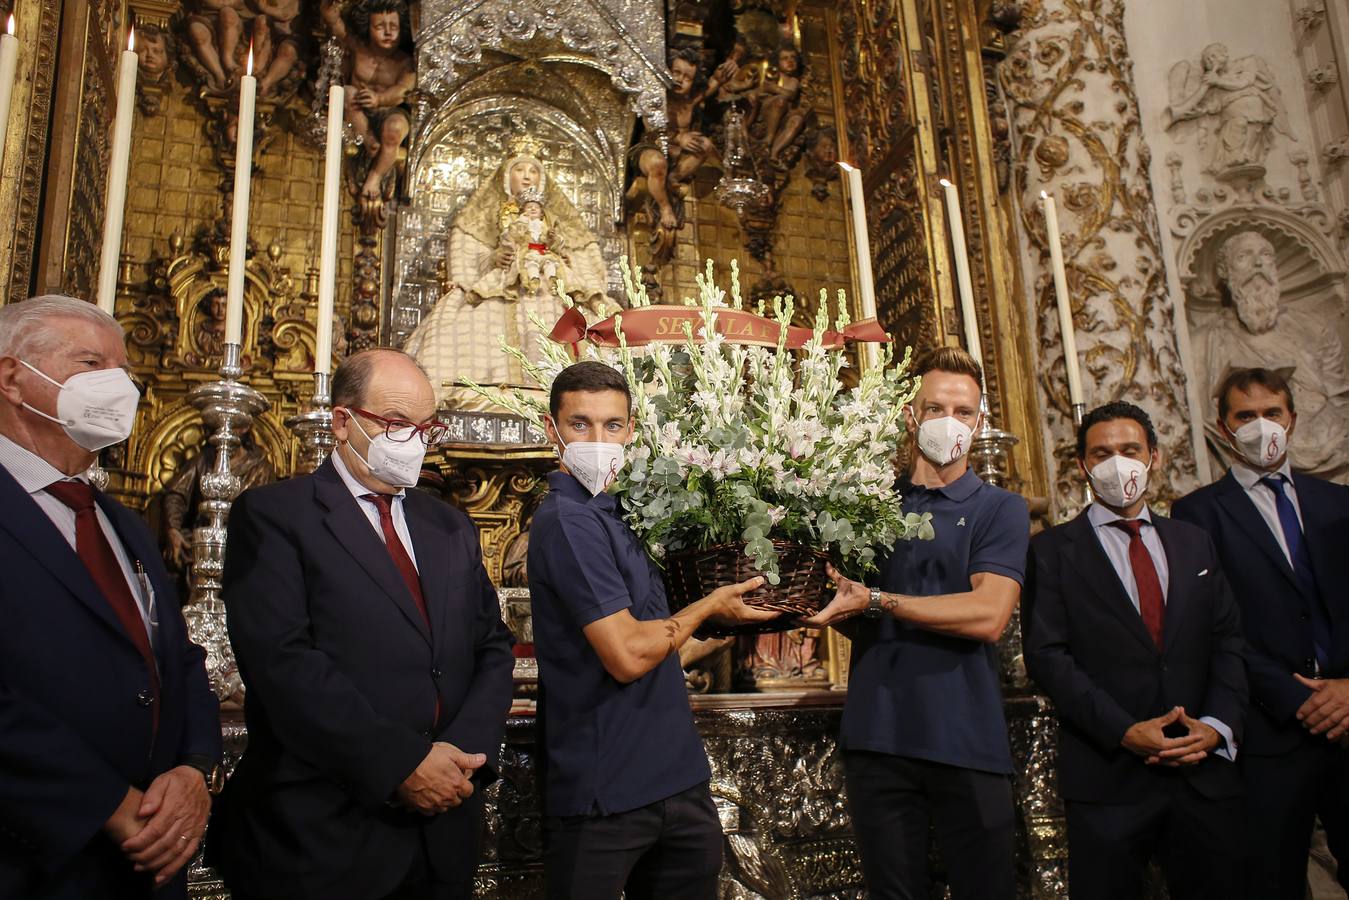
x=1264 y=286
x=1256 y=254
x=1236 y=107
x=1077 y=134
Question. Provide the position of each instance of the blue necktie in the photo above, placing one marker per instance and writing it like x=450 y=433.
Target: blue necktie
x=1302 y=566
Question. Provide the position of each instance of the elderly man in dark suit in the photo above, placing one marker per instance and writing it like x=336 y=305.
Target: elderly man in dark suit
x=109 y=731
x=1283 y=538
x=1132 y=631
x=377 y=667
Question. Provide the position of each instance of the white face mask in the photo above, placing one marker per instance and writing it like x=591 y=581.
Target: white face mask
x=398 y=463
x=593 y=463
x=1261 y=442
x=96 y=409
x=1119 y=481
x=945 y=440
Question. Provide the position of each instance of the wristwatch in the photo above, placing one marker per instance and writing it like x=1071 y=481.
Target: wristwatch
x=212 y=771
x=874 y=609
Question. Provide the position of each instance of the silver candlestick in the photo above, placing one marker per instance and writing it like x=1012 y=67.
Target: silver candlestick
x=228 y=409
x=991 y=449
x=314 y=427
x=1071 y=508
x=991 y=457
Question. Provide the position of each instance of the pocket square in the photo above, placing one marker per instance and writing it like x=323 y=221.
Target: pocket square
x=1201 y=573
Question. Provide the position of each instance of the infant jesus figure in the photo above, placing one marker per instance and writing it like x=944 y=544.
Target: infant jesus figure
x=535 y=243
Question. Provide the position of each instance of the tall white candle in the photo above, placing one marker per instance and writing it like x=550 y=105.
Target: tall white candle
x=862 y=245
x=332 y=204
x=1065 y=303
x=115 y=205
x=963 y=281
x=9 y=61
x=243 y=174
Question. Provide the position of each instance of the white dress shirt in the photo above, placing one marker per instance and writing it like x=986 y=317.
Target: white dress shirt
x=371 y=509
x=34 y=474
x=1115 y=542
x=1262 y=495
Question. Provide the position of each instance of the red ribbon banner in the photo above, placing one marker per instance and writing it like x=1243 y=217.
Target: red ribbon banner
x=665 y=325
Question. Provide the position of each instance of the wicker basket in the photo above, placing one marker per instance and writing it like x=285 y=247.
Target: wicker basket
x=803 y=590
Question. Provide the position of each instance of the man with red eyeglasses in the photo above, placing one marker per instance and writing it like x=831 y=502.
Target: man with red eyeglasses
x=377 y=667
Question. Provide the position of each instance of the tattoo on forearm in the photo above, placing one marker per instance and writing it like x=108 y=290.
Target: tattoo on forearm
x=672 y=633
x=888 y=603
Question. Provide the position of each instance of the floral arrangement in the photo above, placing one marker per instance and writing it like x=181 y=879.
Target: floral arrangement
x=741 y=443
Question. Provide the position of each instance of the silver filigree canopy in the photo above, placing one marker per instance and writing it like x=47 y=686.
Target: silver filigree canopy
x=625 y=39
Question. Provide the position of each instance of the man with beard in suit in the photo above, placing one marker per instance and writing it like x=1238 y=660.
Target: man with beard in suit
x=1132 y=631
x=1282 y=537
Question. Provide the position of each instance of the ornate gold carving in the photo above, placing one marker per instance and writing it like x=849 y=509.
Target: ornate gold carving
x=1069 y=81
x=500 y=492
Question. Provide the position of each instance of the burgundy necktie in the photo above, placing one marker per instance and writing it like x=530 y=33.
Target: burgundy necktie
x=93 y=549
x=1150 y=603
x=406 y=568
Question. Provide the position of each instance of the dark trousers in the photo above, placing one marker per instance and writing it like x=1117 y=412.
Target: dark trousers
x=418 y=883
x=668 y=850
x=896 y=802
x=1197 y=842
x=1284 y=795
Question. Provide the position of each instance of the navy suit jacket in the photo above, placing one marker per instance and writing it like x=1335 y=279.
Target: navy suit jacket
x=342 y=678
x=76 y=725
x=1086 y=646
x=1274 y=609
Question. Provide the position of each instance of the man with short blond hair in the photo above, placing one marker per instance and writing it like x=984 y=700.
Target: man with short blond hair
x=109 y=730
x=924 y=740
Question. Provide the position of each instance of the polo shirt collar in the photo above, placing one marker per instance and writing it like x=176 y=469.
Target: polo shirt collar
x=567 y=485
x=1248 y=477
x=958 y=491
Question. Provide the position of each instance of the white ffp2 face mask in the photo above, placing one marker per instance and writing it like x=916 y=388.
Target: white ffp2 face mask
x=1119 y=481
x=398 y=463
x=96 y=409
x=1261 y=442
x=593 y=463
x=945 y=440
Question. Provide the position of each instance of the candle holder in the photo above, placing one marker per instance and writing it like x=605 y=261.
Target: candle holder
x=228 y=408
x=991 y=449
x=1070 y=509
x=314 y=427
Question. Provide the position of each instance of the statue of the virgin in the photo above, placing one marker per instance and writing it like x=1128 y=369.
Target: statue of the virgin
x=517 y=246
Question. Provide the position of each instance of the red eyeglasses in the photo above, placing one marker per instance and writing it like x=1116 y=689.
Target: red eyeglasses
x=400 y=431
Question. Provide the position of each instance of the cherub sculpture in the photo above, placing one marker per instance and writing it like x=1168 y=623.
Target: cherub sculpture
x=380 y=74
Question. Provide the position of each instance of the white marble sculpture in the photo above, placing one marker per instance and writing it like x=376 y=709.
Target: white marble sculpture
x=1236 y=105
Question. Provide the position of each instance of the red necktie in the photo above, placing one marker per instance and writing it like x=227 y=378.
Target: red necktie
x=406 y=568
x=1150 y=603
x=93 y=549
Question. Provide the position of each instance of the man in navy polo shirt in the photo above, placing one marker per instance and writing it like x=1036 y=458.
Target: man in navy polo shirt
x=626 y=801
x=924 y=740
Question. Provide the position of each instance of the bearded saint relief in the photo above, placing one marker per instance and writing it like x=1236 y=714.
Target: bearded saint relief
x=506 y=260
x=1256 y=330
